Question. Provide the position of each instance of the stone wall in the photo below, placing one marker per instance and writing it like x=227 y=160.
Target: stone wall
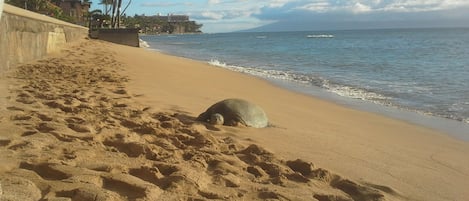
x=27 y=36
x=120 y=36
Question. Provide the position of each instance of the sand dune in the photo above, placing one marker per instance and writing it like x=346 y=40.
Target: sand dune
x=106 y=122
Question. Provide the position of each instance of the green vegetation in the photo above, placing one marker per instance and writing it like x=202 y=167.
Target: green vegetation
x=112 y=17
x=46 y=7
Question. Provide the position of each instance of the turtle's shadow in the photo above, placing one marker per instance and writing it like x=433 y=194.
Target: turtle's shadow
x=185 y=118
x=190 y=120
x=211 y=127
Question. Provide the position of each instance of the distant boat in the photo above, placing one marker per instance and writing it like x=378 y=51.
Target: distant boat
x=320 y=36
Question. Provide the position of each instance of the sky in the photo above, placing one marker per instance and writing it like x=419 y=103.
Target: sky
x=293 y=15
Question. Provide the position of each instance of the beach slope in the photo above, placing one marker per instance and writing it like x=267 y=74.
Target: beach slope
x=101 y=121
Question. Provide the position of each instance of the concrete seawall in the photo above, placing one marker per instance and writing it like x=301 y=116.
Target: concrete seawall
x=26 y=36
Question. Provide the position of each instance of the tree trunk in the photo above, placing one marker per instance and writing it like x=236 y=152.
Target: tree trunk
x=118 y=16
x=113 y=17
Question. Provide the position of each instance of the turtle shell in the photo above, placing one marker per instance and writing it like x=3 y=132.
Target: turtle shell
x=237 y=111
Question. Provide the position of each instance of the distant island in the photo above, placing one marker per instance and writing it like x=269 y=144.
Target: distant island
x=162 y=24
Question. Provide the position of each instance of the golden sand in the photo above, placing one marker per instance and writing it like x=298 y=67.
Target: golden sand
x=101 y=121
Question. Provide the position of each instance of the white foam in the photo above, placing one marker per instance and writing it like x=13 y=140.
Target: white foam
x=320 y=36
x=266 y=73
x=156 y=50
x=143 y=43
x=215 y=62
x=358 y=94
x=338 y=89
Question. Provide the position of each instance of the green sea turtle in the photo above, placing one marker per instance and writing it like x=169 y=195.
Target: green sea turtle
x=234 y=112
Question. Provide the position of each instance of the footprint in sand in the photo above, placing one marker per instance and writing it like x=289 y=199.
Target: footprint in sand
x=58 y=105
x=21 y=117
x=131 y=187
x=144 y=155
x=45 y=127
x=14 y=108
x=25 y=100
x=81 y=128
x=28 y=133
x=44 y=117
x=120 y=91
x=356 y=191
x=4 y=142
x=322 y=197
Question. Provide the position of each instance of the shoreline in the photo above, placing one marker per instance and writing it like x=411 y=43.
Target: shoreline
x=400 y=93
x=454 y=128
x=113 y=122
x=366 y=142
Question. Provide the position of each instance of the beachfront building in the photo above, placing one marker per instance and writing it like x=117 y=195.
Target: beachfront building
x=173 y=18
x=162 y=24
x=77 y=10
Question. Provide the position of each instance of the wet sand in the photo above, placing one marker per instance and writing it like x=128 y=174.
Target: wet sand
x=108 y=122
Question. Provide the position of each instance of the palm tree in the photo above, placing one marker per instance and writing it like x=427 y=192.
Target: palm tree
x=106 y=6
x=113 y=8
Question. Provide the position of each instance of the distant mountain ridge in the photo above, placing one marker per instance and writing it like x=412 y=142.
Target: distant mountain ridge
x=353 y=25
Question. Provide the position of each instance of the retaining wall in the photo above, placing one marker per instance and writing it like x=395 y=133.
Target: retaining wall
x=123 y=36
x=26 y=36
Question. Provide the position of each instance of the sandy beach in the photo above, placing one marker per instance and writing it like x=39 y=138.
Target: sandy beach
x=100 y=121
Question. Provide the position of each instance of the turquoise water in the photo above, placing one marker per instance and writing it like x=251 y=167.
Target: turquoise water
x=420 y=70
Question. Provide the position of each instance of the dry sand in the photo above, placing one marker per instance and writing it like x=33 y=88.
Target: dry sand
x=107 y=122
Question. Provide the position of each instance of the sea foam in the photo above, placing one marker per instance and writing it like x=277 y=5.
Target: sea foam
x=310 y=79
x=143 y=43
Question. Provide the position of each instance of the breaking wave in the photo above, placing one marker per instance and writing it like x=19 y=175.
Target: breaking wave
x=332 y=86
x=143 y=43
x=320 y=36
x=311 y=79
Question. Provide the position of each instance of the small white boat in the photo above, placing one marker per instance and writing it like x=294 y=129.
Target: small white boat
x=320 y=36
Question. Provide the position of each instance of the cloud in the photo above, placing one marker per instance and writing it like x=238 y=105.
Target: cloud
x=423 y=5
x=359 y=14
x=221 y=14
x=214 y=26
x=360 y=8
x=210 y=2
x=208 y=15
x=342 y=9
x=165 y=4
x=278 y=3
x=226 y=10
x=226 y=2
x=317 y=6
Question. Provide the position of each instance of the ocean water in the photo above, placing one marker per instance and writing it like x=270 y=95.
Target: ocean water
x=418 y=70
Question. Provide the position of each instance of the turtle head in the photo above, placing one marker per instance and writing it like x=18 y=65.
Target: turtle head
x=216 y=119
